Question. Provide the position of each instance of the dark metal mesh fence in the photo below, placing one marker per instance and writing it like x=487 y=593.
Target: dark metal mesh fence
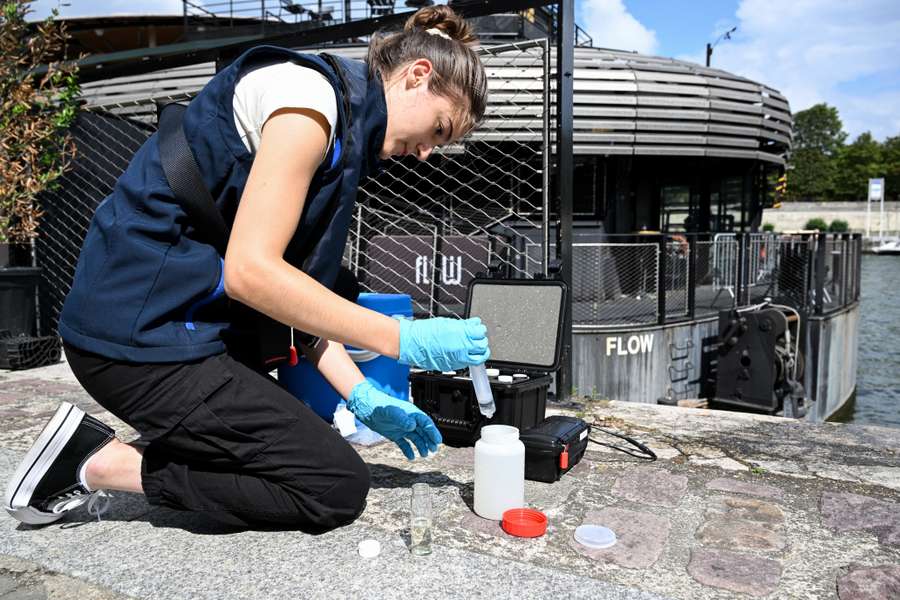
x=427 y=228
x=615 y=284
x=715 y=271
x=619 y=283
x=840 y=277
x=791 y=282
x=677 y=257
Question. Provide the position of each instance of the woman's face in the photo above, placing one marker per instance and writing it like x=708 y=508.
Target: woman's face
x=417 y=119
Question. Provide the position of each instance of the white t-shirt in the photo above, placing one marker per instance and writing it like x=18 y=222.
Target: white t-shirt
x=266 y=89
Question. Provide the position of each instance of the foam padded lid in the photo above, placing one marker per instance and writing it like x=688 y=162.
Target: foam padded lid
x=523 y=319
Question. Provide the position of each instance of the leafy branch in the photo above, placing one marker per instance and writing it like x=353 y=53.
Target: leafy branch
x=38 y=103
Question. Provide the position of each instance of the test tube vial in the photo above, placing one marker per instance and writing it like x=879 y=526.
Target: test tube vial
x=483 y=392
x=420 y=519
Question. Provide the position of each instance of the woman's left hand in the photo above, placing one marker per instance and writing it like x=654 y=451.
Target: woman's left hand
x=397 y=420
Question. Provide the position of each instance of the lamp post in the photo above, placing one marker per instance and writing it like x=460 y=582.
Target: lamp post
x=725 y=36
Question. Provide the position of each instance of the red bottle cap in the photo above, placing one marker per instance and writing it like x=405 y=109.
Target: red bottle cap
x=524 y=522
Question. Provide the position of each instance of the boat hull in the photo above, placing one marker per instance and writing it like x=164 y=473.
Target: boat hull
x=660 y=363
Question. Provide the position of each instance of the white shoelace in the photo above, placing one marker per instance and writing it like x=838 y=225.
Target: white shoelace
x=76 y=499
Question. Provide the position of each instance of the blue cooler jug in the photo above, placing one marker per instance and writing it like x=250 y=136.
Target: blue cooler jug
x=306 y=383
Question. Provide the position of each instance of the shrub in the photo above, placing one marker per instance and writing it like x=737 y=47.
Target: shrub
x=768 y=227
x=839 y=226
x=36 y=109
x=816 y=223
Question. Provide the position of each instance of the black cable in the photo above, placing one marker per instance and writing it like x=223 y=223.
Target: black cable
x=644 y=452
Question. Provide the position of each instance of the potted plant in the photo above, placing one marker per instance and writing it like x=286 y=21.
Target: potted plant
x=38 y=100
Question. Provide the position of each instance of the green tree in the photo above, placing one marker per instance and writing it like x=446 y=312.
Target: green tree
x=890 y=153
x=819 y=128
x=818 y=137
x=856 y=163
x=812 y=176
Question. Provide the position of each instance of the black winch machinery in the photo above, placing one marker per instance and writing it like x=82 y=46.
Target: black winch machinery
x=759 y=361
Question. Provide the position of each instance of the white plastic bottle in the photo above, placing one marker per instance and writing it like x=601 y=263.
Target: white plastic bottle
x=499 y=471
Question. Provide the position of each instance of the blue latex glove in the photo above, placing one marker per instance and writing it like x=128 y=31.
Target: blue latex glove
x=443 y=344
x=397 y=420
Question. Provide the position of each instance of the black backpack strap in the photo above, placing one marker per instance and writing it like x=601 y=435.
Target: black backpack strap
x=184 y=178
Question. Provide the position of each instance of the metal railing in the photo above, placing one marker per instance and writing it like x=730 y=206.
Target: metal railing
x=322 y=12
x=269 y=15
x=644 y=280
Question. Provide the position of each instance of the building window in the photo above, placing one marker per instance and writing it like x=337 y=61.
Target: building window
x=677 y=210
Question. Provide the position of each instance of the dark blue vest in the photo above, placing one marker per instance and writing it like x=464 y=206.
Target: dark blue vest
x=146 y=288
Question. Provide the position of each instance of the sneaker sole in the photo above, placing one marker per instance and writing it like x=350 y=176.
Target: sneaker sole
x=34 y=466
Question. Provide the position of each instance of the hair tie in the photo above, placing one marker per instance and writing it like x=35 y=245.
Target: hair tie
x=436 y=31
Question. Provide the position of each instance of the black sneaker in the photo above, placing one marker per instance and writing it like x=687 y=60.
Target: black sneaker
x=49 y=482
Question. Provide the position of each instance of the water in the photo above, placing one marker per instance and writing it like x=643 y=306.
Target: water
x=878 y=377
x=420 y=536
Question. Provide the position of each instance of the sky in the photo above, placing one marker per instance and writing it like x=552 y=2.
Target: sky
x=842 y=52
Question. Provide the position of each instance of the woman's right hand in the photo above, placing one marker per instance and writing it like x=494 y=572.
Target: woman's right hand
x=442 y=344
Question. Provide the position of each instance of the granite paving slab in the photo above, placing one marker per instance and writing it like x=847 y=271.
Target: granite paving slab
x=736 y=502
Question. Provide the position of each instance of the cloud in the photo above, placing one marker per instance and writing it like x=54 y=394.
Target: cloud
x=823 y=51
x=611 y=26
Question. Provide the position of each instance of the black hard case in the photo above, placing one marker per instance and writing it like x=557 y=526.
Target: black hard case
x=450 y=400
x=546 y=442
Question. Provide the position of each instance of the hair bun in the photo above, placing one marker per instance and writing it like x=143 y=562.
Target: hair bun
x=444 y=18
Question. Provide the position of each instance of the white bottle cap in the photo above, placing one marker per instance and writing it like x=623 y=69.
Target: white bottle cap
x=595 y=536
x=505 y=379
x=369 y=548
x=493 y=372
x=520 y=376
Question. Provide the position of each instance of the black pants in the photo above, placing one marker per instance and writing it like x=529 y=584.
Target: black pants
x=230 y=442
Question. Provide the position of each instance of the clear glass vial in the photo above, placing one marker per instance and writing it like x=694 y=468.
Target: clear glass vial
x=420 y=518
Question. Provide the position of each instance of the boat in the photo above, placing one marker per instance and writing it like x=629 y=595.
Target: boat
x=887 y=246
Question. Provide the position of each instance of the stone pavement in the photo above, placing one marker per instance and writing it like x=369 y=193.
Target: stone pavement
x=738 y=506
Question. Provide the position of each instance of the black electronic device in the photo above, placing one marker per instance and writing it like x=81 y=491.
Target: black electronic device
x=553 y=447
x=524 y=319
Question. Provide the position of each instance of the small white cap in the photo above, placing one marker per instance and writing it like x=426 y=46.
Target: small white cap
x=505 y=379
x=492 y=372
x=369 y=548
x=595 y=536
x=520 y=376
